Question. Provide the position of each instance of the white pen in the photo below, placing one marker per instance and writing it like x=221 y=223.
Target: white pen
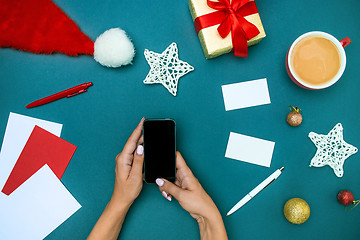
x=256 y=190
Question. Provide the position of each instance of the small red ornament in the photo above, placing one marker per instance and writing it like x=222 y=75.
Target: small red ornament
x=345 y=197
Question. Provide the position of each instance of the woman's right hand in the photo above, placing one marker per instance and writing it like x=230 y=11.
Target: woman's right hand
x=193 y=198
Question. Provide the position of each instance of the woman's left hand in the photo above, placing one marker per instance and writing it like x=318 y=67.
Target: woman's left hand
x=128 y=185
x=128 y=170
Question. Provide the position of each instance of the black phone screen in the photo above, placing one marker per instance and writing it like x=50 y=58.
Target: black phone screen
x=159 y=150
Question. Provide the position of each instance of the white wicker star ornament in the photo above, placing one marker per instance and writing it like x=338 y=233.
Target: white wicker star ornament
x=332 y=150
x=166 y=68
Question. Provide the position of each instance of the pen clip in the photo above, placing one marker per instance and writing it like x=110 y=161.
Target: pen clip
x=281 y=169
x=74 y=94
x=269 y=183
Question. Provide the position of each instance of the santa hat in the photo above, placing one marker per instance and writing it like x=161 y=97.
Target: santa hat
x=39 y=26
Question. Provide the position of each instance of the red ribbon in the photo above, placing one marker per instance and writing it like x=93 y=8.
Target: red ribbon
x=230 y=16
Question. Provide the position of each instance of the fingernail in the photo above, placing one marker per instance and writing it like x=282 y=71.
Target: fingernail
x=164 y=194
x=140 y=150
x=159 y=182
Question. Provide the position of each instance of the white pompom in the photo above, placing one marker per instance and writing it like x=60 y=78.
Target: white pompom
x=113 y=48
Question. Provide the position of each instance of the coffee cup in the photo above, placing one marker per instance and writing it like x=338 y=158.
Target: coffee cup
x=316 y=60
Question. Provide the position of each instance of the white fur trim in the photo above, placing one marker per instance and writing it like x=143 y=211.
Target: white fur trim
x=114 y=48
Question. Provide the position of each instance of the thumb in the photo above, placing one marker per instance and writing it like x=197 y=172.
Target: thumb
x=170 y=188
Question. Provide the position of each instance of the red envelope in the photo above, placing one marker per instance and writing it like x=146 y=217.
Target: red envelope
x=41 y=148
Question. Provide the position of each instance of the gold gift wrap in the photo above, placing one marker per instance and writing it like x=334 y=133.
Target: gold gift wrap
x=211 y=41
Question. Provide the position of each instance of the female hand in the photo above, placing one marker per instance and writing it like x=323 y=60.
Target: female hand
x=128 y=184
x=128 y=170
x=193 y=198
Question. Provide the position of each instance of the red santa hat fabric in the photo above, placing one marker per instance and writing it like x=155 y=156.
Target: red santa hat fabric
x=39 y=26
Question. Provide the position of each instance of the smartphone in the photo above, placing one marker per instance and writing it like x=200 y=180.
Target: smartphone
x=159 y=149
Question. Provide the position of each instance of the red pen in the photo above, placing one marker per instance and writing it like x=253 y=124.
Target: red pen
x=66 y=93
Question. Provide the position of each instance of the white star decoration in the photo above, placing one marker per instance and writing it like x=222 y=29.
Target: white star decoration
x=166 y=68
x=332 y=150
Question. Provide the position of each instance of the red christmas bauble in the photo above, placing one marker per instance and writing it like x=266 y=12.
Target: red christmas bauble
x=345 y=197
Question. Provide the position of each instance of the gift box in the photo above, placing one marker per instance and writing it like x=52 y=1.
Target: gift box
x=225 y=26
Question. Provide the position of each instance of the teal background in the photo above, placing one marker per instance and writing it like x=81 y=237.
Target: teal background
x=100 y=121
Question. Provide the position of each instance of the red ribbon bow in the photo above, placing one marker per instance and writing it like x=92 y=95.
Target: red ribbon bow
x=230 y=16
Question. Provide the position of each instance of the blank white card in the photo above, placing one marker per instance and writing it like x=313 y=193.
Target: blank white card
x=36 y=208
x=250 y=149
x=245 y=94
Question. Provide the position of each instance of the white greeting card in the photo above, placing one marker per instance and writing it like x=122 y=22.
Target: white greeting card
x=250 y=149
x=246 y=94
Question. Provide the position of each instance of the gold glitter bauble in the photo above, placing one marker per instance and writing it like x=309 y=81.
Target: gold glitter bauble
x=294 y=118
x=296 y=210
